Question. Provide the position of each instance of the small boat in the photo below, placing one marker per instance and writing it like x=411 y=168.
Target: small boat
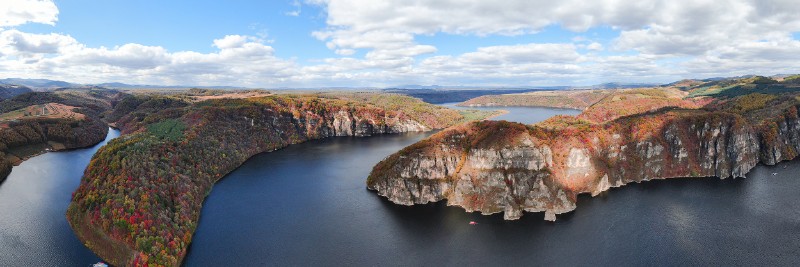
x=774 y=173
x=472 y=223
x=100 y=264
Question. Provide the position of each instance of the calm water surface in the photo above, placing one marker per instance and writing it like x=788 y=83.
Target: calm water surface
x=526 y=115
x=33 y=202
x=307 y=205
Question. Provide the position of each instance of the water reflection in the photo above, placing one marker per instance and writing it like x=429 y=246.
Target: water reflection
x=299 y=206
x=307 y=205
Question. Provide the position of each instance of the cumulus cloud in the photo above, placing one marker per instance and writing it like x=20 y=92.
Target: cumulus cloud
x=14 y=41
x=18 y=12
x=520 y=54
x=376 y=44
x=594 y=46
x=233 y=41
x=240 y=60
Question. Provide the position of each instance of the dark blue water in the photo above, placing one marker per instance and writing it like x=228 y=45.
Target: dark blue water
x=526 y=115
x=307 y=205
x=33 y=203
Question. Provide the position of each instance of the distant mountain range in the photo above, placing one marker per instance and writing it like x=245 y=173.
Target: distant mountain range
x=610 y=85
x=117 y=85
x=623 y=85
x=45 y=84
x=462 y=87
x=37 y=83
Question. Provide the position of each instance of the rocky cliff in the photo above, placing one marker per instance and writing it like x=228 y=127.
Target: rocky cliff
x=140 y=198
x=508 y=167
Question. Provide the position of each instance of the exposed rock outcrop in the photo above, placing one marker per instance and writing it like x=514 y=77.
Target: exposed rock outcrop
x=508 y=167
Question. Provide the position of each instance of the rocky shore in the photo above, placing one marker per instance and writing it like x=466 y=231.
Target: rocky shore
x=495 y=167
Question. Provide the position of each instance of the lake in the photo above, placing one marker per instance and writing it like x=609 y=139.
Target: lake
x=526 y=115
x=308 y=204
x=33 y=203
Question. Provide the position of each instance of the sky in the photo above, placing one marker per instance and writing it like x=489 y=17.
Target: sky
x=367 y=43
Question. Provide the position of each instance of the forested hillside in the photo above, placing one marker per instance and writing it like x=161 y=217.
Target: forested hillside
x=140 y=198
x=9 y=91
x=32 y=123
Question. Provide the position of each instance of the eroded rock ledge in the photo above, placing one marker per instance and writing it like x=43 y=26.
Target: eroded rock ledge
x=508 y=167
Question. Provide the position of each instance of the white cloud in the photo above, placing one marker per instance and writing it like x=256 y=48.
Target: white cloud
x=594 y=46
x=650 y=26
x=14 y=41
x=298 y=9
x=231 y=41
x=240 y=60
x=520 y=54
x=659 y=33
x=18 y=12
x=376 y=44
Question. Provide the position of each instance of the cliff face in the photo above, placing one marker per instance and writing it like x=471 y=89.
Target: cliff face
x=507 y=167
x=140 y=198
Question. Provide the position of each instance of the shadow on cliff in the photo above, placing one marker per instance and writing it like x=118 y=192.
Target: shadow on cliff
x=432 y=218
x=425 y=220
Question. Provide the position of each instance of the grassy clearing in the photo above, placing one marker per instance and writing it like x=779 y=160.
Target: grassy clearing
x=49 y=110
x=476 y=115
x=171 y=129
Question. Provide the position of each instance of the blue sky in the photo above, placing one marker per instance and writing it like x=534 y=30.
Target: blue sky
x=192 y=25
x=177 y=26
x=319 y=43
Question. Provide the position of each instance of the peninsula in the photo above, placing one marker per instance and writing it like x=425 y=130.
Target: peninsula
x=140 y=198
x=687 y=129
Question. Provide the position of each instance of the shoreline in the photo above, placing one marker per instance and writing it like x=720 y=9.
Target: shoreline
x=498 y=113
x=50 y=146
x=517 y=106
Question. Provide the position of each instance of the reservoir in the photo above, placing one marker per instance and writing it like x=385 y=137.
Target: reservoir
x=33 y=203
x=525 y=115
x=308 y=204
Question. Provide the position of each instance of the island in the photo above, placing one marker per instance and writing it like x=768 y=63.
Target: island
x=713 y=128
x=139 y=201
